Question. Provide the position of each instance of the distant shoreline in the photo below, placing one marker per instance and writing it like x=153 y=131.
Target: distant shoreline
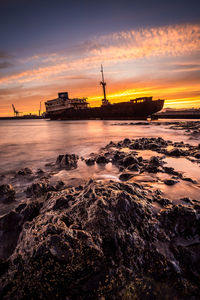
x=22 y=118
x=178 y=116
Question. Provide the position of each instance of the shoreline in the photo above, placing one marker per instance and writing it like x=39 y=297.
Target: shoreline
x=104 y=238
x=178 y=116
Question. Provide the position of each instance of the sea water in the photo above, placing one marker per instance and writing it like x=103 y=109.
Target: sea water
x=33 y=143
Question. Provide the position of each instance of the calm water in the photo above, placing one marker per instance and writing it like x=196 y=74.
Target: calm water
x=32 y=143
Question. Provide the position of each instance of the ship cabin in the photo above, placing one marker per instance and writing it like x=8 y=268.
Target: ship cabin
x=141 y=99
x=64 y=102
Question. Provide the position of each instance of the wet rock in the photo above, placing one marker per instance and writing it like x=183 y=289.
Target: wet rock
x=60 y=185
x=101 y=159
x=176 y=152
x=90 y=161
x=67 y=161
x=154 y=160
x=186 y=199
x=136 y=146
x=10 y=227
x=62 y=202
x=7 y=193
x=129 y=160
x=164 y=202
x=151 y=168
x=189 y=179
x=40 y=172
x=125 y=176
x=38 y=189
x=20 y=207
x=197 y=155
x=170 y=181
x=105 y=240
x=117 y=157
x=171 y=171
x=134 y=167
x=126 y=142
x=152 y=146
x=24 y=172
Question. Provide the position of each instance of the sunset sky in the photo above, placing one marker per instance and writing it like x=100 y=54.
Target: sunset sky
x=147 y=48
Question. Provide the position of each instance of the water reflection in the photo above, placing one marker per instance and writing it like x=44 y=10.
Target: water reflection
x=34 y=142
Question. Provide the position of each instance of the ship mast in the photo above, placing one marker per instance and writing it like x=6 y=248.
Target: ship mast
x=103 y=83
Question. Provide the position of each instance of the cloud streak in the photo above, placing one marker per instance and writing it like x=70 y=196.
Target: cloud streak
x=168 y=41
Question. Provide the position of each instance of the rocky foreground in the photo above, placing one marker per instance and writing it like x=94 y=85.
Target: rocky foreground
x=103 y=239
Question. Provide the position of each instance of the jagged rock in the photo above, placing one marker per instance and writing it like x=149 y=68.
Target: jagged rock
x=151 y=168
x=7 y=193
x=10 y=227
x=155 y=161
x=171 y=171
x=40 y=172
x=134 y=167
x=197 y=155
x=90 y=161
x=129 y=160
x=24 y=172
x=39 y=189
x=126 y=142
x=117 y=157
x=188 y=179
x=170 y=181
x=67 y=161
x=135 y=146
x=60 y=185
x=152 y=146
x=175 y=152
x=104 y=240
x=101 y=159
x=125 y=176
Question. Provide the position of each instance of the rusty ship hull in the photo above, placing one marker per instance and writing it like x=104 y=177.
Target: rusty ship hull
x=117 y=111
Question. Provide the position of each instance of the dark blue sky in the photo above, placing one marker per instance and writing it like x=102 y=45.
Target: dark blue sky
x=40 y=25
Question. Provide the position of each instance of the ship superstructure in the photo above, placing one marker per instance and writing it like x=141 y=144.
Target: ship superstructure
x=63 y=102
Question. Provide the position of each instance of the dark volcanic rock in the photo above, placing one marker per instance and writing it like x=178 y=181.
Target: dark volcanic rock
x=24 y=172
x=170 y=181
x=67 y=161
x=126 y=142
x=136 y=146
x=154 y=160
x=10 y=227
x=39 y=189
x=101 y=159
x=90 y=161
x=7 y=193
x=197 y=155
x=176 y=152
x=125 y=176
x=134 y=167
x=129 y=160
x=104 y=241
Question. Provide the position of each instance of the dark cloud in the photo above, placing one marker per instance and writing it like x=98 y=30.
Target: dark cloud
x=4 y=55
x=5 y=65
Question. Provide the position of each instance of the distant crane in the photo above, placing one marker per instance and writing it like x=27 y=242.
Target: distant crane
x=103 y=83
x=40 y=109
x=16 y=112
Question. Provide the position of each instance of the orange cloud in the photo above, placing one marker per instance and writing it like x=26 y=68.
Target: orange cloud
x=115 y=48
